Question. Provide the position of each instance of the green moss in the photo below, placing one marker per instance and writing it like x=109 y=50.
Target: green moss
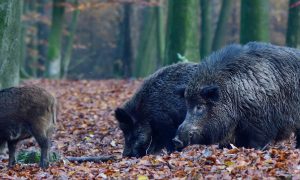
x=29 y=157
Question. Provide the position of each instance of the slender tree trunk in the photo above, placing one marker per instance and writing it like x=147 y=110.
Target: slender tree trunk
x=293 y=29
x=254 y=21
x=127 y=44
x=180 y=18
x=42 y=35
x=32 y=58
x=67 y=56
x=10 y=26
x=160 y=35
x=146 y=61
x=54 y=47
x=206 y=28
x=192 y=52
x=23 y=48
x=219 y=37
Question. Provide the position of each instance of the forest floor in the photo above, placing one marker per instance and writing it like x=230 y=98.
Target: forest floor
x=86 y=127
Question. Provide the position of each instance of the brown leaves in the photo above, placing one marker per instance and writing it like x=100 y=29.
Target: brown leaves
x=86 y=127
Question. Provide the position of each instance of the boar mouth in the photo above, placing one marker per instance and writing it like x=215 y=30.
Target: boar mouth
x=196 y=138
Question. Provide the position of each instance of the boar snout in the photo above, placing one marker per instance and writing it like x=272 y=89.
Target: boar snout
x=177 y=143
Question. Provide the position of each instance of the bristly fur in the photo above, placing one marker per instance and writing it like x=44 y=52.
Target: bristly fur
x=155 y=111
x=259 y=96
x=25 y=112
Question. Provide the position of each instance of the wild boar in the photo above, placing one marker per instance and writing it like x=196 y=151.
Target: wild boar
x=250 y=92
x=149 y=120
x=25 y=112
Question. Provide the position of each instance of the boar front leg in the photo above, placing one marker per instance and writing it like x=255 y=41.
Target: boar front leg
x=297 y=133
x=12 y=151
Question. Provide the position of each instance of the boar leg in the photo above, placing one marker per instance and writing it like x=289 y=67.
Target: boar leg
x=297 y=133
x=43 y=142
x=12 y=151
x=41 y=137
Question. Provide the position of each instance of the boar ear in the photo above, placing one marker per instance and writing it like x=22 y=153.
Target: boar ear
x=210 y=93
x=180 y=91
x=123 y=117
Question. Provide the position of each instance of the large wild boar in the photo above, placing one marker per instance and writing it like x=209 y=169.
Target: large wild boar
x=251 y=92
x=25 y=112
x=149 y=120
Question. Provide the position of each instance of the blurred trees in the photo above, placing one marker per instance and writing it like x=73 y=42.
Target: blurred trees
x=293 y=29
x=134 y=38
x=10 y=44
x=254 y=21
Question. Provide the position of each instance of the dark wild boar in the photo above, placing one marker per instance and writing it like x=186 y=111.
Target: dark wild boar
x=25 y=112
x=149 y=120
x=251 y=92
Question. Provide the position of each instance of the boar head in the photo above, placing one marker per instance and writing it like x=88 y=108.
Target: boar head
x=204 y=122
x=137 y=134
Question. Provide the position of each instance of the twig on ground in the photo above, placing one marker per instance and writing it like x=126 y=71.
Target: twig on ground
x=91 y=159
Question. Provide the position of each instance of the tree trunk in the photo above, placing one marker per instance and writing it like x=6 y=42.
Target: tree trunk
x=146 y=60
x=206 y=28
x=67 y=56
x=179 y=26
x=32 y=58
x=42 y=35
x=160 y=33
x=192 y=52
x=219 y=37
x=10 y=25
x=127 y=44
x=54 y=47
x=23 y=48
x=254 y=21
x=293 y=29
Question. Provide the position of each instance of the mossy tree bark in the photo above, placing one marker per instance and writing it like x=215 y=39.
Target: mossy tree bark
x=181 y=16
x=254 y=21
x=53 y=63
x=219 y=37
x=10 y=45
x=293 y=29
x=206 y=28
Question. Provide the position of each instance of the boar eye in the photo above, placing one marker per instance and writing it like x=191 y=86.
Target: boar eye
x=199 y=109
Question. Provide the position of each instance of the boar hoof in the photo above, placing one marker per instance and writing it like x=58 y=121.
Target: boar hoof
x=44 y=165
x=11 y=164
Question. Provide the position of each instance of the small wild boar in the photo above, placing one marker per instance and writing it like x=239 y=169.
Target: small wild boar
x=149 y=120
x=25 y=112
x=250 y=92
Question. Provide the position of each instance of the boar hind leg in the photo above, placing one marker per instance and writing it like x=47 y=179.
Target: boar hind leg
x=42 y=139
x=12 y=151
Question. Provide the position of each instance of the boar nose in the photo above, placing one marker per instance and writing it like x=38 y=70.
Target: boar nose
x=178 y=144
